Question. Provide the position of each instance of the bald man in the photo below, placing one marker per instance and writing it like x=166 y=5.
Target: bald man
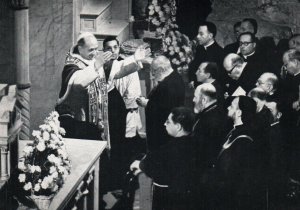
x=168 y=94
x=87 y=78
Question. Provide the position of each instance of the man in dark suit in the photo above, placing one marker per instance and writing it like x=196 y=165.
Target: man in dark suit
x=169 y=93
x=207 y=50
x=208 y=73
x=211 y=125
x=255 y=65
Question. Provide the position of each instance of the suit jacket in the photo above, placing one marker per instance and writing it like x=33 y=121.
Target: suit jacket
x=237 y=183
x=213 y=53
x=254 y=68
x=167 y=95
x=231 y=48
x=209 y=133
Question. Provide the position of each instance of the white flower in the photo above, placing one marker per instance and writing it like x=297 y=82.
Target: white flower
x=36 y=133
x=22 y=177
x=54 y=137
x=62 y=153
x=62 y=131
x=163 y=19
x=52 y=146
x=151 y=12
x=177 y=62
x=41 y=146
x=52 y=169
x=154 y=2
x=171 y=52
x=158 y=30
x=44 y=184
x=28 y=186
x=46 y=136
x=174 y=60
x=27 y=150
x=181 y=54
x=160 y=13
x=157 y=8
x=21 y=166
x=171 y=48
x=177 y=49
x=54 y=175
x=35 y=169
x=151 y=7
x=182 y=59
x=174 y=43
x=37 y=187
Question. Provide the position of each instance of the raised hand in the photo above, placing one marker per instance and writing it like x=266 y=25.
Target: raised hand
x=101 y=58
x=141 y=53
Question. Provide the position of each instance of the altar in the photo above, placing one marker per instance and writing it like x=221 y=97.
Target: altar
x=81 y=188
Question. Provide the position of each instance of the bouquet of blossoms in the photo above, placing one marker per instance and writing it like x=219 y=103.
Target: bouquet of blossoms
x=162 y=15
x=45 y=165
x=177 y=48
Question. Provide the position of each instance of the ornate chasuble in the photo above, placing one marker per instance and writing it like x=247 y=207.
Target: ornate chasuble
x=96 y=110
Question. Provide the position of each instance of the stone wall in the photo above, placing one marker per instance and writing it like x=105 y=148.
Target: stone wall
x=51 y=36
x=275 y=18
x=7 y=67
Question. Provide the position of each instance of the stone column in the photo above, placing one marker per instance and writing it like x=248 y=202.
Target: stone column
x=22 y=63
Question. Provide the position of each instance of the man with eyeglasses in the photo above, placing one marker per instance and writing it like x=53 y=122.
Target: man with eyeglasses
x=255 y=65
x=234 y=66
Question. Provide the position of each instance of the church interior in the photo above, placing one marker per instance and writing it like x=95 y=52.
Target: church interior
x=36 y=36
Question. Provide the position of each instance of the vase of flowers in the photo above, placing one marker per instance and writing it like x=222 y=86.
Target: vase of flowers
x=177 y=47
x=44 y=165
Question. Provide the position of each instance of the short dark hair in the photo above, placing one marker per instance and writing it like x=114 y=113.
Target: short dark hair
x=185 y=117
x=212 y=68
x=237 y=24
x=253 y=38
x=211 y=27
x=248 y=107
x=110 y=38
x=253 y=22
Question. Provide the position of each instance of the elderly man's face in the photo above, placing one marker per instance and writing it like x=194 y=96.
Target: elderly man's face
x=233 y=71
x=294 y=43
x=200 y=73
x=247 y=46
x=89 y=50
x=246 y=27
x=264 y=83
x=204 y=36
x=113 y=47
x=291 y=66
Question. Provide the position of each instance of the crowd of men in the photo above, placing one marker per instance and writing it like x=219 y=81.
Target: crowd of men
x=237 y=149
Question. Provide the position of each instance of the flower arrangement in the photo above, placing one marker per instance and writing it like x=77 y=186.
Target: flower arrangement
x=177 y=47
x=44 y=165
x=162 y=16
